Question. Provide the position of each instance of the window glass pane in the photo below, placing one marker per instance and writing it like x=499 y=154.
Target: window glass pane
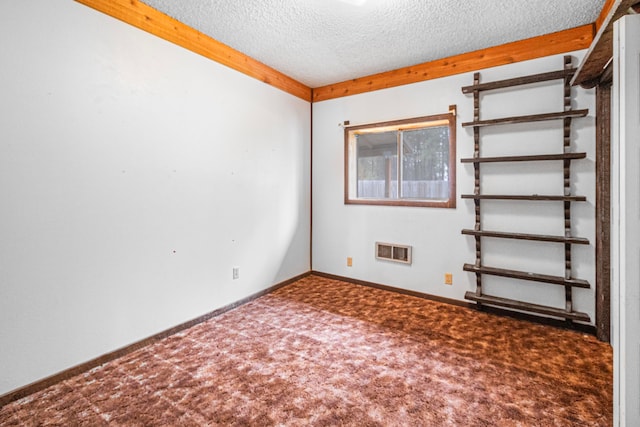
x=377 y=167
x=425 y=163
x=408 y=162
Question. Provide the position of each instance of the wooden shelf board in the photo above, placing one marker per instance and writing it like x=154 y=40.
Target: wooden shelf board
x=523 y=275
x=525 y=306
x=518 y=81
x=534 y=197
x=524 y=236
x=528 y=119
x=529 y=158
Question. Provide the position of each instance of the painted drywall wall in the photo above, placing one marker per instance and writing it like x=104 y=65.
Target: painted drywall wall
x=341 y=231
x=134 y=175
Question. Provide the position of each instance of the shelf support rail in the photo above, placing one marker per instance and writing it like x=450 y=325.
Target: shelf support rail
x=567 y=186
x=476 y=189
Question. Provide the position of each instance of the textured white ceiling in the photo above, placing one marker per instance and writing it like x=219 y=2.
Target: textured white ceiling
x=319 y=42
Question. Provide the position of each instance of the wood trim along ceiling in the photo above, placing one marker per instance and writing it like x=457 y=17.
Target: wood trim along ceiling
x=601 y=50
x=536 y=47
x=157 y=23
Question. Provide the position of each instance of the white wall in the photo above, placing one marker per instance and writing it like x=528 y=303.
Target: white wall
x=133 y=176
x=341 y=231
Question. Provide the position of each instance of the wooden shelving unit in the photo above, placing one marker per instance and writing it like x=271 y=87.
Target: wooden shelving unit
x=567 y=281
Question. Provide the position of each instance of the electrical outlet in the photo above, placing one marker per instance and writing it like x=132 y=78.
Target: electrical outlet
x=448 y=279
x=236 y=273
x=349 y=261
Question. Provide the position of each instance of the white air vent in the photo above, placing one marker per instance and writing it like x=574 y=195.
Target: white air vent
x=393 y=252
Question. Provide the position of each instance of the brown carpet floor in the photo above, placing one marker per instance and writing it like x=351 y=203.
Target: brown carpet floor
x=323 y=352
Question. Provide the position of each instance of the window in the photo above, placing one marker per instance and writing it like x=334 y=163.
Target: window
x=403 y=163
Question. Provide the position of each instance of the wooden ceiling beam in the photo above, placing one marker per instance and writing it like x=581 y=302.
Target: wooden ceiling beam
x=536 y=47
x=604 y=13
x=157 y=23
x=601 y=51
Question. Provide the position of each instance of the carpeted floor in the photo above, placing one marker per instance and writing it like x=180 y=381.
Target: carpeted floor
x=323 y=352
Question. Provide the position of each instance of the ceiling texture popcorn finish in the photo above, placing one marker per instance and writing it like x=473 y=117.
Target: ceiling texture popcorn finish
x=319 y=42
